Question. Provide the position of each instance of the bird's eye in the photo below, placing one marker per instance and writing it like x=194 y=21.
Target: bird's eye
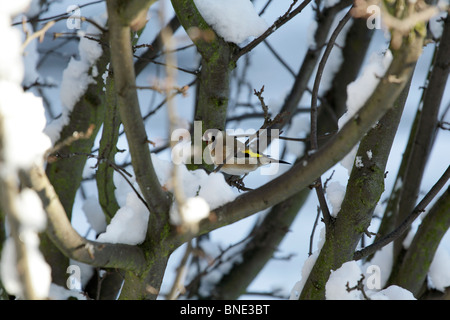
x=213 y=138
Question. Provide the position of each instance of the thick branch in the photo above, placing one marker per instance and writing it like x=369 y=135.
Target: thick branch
x=107 y=152
x=364 y=188
x=417 y=260
x=409 y=219
x=426 y=130
x=217 y=63
x=130 y=114
x=66 y=173
x=74 y=246
x=303 y=173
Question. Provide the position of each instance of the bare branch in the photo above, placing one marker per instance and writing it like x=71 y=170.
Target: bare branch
x=178 y=286
x=61 y=232
x=130 y=114
x=408 y=221
x=314 y=98
x=288 y=15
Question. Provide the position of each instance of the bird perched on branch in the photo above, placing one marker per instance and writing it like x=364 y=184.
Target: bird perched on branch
x=234 y=157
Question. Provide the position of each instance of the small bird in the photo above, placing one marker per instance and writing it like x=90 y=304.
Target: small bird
x=232 y=156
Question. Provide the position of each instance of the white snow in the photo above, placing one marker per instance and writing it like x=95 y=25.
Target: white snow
x=24 y=120
x=211 y=187
x=335 y=193
x=392 y=293
x=30 y=211
x=311 y=32
x=439 y=273
x=306 y=270
x=383 y=259
x=203 y=192
x=411 y=233
x=358 y=162
x=193 y=210
x=233 y=20
x=307 y=267
x=77 y=78
x=94 y=214
x=336 y=288
x=362 y=88
x=61 y=293
x=129 y=224
x=39 y=269
x=23 y=145
x=359 y=91
x=350 y=272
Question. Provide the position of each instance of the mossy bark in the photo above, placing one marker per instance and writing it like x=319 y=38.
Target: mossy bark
x=66 y=171
x=366 y=182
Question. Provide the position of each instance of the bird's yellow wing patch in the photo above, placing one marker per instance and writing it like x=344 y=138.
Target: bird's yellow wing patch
x=252 y=154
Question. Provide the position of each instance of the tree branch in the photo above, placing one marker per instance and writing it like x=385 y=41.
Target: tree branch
x=409 y=219
x=61 y=232
x=364 y=188
x=277 y=24
x=305 y=172
x=314 y=98
x=416 y=263
x=217 y=63
x=156 y=46
x=263 y=242
x=308 y=65
x=130 y=114
x=426 y=130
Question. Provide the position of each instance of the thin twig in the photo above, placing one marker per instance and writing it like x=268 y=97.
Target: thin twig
x=359 y=286
x=168 y=66
x=71 y=139
x=311 y=237
x=59 y=16
x=41 y=32
x=38 y=34
x=408 y=221
x=314 y=98
x=279 y=58
x=178 y=286
x=277 y=24
x=318 y=78
x=168 y=98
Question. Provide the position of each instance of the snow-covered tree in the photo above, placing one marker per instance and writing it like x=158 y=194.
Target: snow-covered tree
x=109 y=188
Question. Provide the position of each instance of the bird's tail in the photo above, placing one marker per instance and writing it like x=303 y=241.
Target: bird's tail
x=278 y=161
